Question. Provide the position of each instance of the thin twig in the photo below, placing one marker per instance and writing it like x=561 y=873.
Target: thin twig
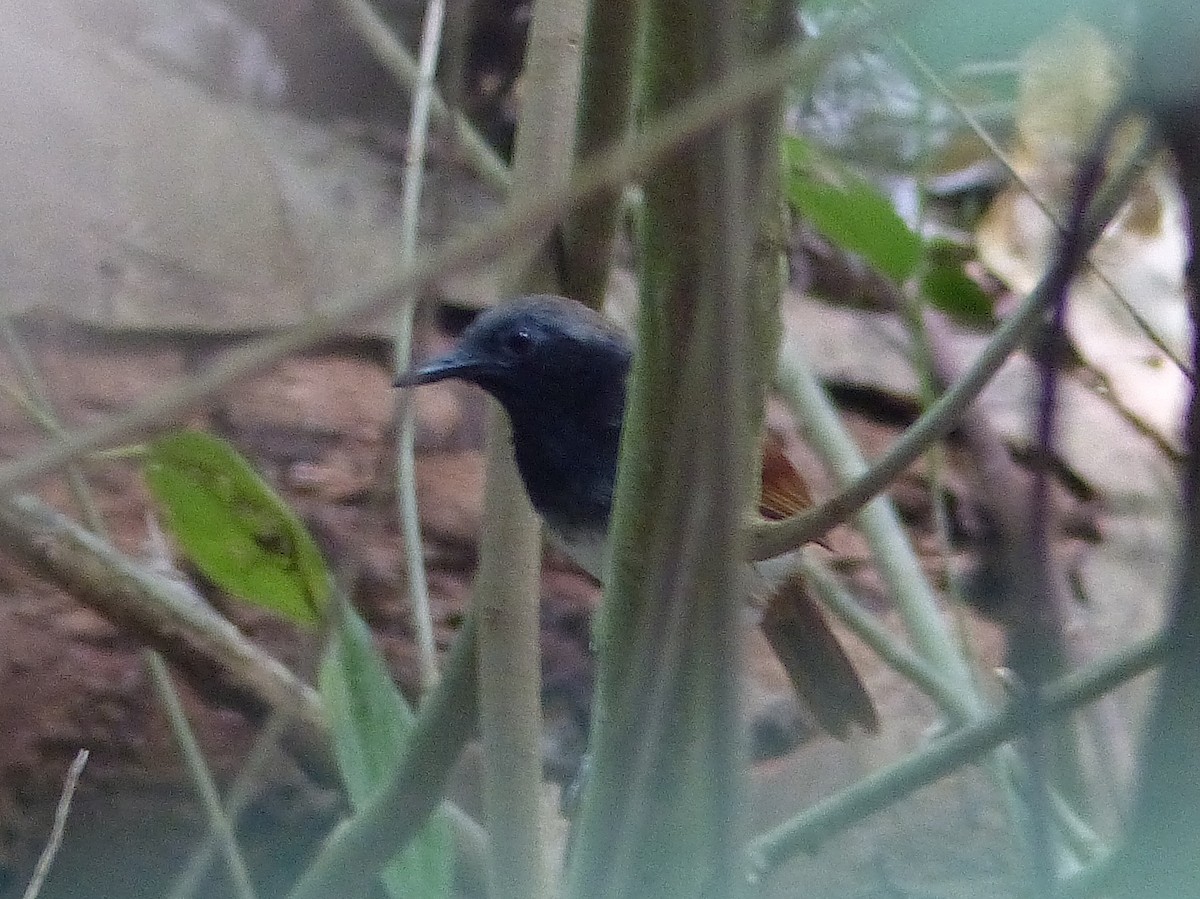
x=197 y=768
x=406 y=477
x=54 y=841
x=872 y=632
x=605 y=110
x=882 y=789
x=1004 y=487
x=38 y=396
x=894 y=555
x=1036 y=631
x=407 y=73
x=196 y=765
x=238 y=796
x=37 y=404
x=221 y=663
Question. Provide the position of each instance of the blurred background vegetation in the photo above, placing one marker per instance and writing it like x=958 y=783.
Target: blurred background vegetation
x=189 y=180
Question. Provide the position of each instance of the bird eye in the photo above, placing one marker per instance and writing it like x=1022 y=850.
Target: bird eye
x=519 y=342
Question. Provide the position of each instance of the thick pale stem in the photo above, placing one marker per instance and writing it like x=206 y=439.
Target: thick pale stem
x=661 y=815
x=508 y=580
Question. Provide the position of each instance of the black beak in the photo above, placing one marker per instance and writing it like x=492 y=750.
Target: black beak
x=451 y=365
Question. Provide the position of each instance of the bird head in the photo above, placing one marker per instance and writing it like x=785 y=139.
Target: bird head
x=539 y=356
x=559 y=370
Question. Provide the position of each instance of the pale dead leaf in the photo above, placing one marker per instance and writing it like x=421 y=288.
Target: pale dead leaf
x=1070 y=80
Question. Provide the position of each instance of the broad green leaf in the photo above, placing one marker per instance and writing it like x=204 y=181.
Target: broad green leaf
x=850 y=211
x=370 y=722
x=234 y=527
x=951 y=290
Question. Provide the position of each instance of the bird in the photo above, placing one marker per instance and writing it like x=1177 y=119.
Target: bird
x=559 y=369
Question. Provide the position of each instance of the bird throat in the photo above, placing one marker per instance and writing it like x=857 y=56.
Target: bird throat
x=569 y=470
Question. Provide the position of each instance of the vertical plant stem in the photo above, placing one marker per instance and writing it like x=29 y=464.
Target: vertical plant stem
x=727 y=307
x=661 y=810
x=1035 y=633
x=506 y=594
x=605 y=107
x=406 y=477
x=508 y=579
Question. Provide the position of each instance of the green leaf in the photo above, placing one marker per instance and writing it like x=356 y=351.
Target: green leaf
x=850 y=211
x=950 y=289
x=370 y=722
x=234 y=527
